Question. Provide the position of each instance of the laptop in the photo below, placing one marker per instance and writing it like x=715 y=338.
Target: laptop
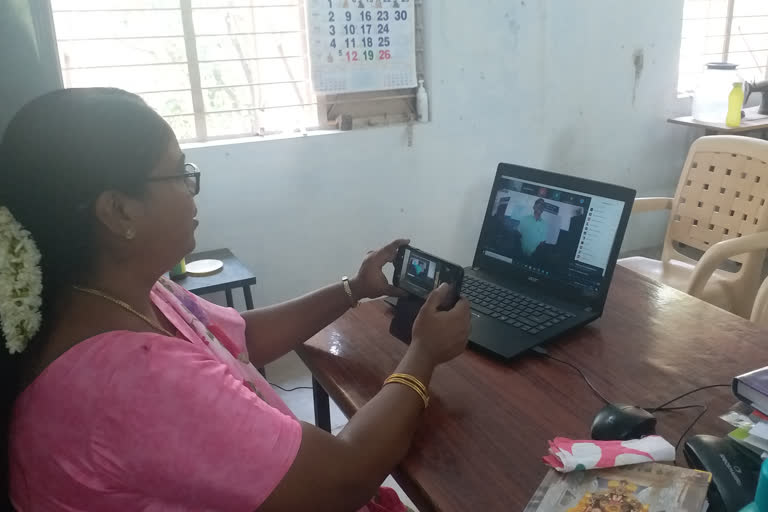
x=545 y=257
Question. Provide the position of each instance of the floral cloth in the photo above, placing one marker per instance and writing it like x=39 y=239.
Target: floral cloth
x=566 y=455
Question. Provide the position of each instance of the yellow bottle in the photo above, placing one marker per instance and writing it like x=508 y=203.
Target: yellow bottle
x=735 y=102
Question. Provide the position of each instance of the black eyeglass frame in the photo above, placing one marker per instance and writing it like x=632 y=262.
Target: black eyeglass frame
x=190 y=171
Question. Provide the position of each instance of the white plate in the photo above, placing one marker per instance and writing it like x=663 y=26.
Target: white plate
x=204 y=267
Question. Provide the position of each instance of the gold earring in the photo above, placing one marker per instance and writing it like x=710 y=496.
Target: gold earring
x=130 y=234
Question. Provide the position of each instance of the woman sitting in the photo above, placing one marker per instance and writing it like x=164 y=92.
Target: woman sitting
x=122 y=391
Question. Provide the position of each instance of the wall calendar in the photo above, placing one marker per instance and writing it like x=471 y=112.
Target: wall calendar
x=362 y=45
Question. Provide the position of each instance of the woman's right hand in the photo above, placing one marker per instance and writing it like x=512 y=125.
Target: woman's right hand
x=342 y=472
x=441 y=335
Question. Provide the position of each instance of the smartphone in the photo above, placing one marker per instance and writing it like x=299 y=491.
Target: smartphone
x=418 y=273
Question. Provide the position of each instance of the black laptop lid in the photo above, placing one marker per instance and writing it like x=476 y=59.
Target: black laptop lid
x=559 y=232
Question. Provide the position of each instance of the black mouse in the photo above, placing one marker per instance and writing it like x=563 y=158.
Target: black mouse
x=619 y=422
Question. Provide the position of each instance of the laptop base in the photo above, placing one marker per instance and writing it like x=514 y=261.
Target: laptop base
x=499 y=341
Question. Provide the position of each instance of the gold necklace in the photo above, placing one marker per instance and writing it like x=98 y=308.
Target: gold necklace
x=126 y=307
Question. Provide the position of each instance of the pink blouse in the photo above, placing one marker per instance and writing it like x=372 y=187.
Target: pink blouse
x=139 y=421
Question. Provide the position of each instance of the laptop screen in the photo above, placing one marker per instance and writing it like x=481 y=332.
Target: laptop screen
x=553 y=233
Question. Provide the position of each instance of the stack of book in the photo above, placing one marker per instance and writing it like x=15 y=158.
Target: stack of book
x=751 y=418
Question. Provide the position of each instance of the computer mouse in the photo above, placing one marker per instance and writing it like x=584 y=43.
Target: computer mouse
x=619 y=422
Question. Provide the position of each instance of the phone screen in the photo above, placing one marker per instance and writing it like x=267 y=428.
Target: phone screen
x=419 y=273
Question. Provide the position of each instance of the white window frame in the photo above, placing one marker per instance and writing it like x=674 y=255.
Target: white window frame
x=356 y=110
x=725 y=55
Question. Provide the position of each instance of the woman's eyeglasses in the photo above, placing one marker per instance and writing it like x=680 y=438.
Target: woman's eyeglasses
x=191 y=177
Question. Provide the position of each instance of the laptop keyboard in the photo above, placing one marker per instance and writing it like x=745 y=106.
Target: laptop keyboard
x=515 y=309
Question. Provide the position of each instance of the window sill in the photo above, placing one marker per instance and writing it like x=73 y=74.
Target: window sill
x=290 y=135
x=249 y=140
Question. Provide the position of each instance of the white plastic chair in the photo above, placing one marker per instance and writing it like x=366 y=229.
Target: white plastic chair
x=760 y=309
x=719 y=208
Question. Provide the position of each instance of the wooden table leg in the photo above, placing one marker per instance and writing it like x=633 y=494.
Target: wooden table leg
x=322 y=406
x=230 y=301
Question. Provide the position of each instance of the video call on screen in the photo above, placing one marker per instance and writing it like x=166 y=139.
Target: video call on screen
x=421 y=271
x=554 y=233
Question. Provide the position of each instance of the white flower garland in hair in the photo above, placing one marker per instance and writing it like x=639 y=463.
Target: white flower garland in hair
x=21 y=283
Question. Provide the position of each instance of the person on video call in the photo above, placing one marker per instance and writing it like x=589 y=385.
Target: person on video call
x=533 y=230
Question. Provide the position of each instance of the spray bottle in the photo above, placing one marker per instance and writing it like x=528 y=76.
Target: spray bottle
x=422 y=103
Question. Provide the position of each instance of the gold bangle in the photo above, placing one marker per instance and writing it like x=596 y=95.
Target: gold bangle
x=411 y=382
x=412 y=379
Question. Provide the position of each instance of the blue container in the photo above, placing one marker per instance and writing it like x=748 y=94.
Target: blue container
x=761 y=498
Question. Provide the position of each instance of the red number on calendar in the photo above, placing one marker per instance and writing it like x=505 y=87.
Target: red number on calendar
x=384 y=55
x=351 y=56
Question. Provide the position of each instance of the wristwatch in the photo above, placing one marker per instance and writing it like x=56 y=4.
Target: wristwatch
x=348 y=290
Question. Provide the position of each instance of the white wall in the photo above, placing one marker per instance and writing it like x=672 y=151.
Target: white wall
x=552 y=84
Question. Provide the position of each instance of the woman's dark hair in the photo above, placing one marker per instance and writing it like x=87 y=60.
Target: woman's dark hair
x=58 y=154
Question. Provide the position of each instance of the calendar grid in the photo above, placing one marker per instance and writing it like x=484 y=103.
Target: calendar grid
x=362 y=45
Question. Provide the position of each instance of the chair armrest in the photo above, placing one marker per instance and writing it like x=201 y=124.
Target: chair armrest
x=718 y=253
x=761 y=302
x=652 y=204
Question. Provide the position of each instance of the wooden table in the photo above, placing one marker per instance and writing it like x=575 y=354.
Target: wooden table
x=753 y=122
x=486 y=429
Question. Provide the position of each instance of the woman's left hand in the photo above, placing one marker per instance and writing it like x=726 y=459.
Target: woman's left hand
x=371 y=282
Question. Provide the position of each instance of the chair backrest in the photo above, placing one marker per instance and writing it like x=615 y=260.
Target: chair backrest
x=722 y=194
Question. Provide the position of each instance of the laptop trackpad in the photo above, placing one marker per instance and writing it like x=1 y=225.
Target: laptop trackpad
x=493 y=335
